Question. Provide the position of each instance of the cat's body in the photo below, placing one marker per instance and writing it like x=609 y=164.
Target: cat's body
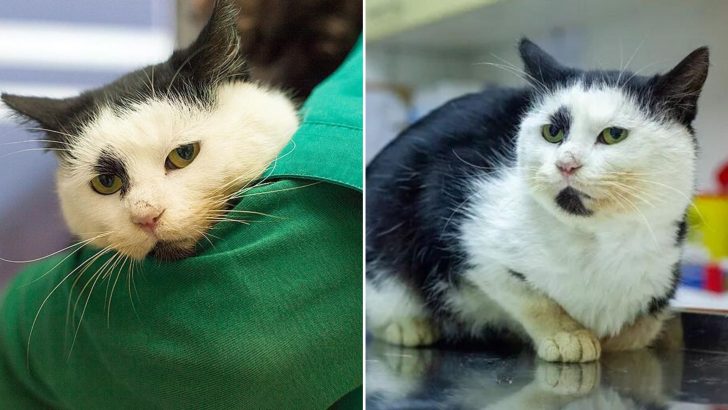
x=476 y=223
x=148 y=163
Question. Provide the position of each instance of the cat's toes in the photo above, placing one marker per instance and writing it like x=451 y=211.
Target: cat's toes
x=410 y=333
x=570 y=347
x=568 y=379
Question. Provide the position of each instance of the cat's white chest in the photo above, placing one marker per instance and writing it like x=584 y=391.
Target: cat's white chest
x=604 y=282
x=603 y=276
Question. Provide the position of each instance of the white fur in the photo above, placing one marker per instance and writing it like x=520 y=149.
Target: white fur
x=396 y=314
x=239 y=136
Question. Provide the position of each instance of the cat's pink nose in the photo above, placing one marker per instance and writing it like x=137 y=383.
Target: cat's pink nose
x=568 y=168
x=147 y=221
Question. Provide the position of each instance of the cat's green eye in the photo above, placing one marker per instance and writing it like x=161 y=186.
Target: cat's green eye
x=552 y=133
x=182 y=156
x=106 y=184
x=612 y=135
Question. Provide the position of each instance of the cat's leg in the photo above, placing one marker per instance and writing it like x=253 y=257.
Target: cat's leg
x=397 y=315
x=637 y=335
x=557 y=337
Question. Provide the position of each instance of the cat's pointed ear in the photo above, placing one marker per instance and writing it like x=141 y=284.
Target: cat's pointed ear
x=680 y=88
x=541 y=68
x=216 y=54
x=50 y=113
x=55 y=116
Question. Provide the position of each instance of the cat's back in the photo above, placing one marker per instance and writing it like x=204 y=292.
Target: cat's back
x=416 y=185
x=467 y=136
x=487 y=119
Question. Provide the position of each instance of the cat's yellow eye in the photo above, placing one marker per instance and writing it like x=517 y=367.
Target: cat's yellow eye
x=182 y=156
x=552 y=133
x=106 y=184
x=613 y=135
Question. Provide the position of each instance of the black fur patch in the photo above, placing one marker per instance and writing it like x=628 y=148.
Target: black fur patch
x=417 y=185
x=570 y=201
x=542 y=69
x=682 y=231
x=517 y=275
x=657 y=304
x=108 y=163
x=562 y=119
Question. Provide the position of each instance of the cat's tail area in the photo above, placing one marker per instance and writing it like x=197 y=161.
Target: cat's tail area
x=396 y=314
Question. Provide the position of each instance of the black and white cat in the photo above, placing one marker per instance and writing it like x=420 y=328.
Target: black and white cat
x=148 y=163
x=553 y=212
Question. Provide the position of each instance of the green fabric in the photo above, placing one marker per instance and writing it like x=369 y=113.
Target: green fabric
x=331 y=132
x=266 y=315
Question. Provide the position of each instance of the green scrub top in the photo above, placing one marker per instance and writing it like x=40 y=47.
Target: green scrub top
x=265 y=315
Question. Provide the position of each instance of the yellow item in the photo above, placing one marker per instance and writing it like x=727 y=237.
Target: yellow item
x=708 y=221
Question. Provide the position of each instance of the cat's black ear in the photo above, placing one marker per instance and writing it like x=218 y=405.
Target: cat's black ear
x=542 y=69
x=50 y=113
x=680 y=88
x=216 y=54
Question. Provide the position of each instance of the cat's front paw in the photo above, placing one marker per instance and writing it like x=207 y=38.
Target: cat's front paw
x=410 y=333
x=568 y=378
x=571 y=347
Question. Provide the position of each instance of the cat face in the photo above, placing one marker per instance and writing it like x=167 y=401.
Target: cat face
x=606 y=144
x=148 y=163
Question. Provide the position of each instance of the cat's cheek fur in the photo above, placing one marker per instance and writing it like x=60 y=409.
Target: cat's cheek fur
x=240 y=135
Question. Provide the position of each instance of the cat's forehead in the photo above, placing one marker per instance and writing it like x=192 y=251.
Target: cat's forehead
x=145 y=129
x=151 y=123
x=597 y=103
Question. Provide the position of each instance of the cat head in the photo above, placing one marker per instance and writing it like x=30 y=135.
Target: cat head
x=148 y=162
x=600 y=144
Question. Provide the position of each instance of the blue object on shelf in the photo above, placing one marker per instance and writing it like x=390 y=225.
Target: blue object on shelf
x=692 y=275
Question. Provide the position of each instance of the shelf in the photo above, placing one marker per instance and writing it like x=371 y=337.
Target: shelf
x=465 y=25
x=388 y=17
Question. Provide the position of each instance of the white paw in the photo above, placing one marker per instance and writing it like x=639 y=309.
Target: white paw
x=571 y=347
x=568 y=379
x=410 y=333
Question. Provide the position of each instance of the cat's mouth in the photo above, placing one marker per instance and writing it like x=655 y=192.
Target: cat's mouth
x=172 y=250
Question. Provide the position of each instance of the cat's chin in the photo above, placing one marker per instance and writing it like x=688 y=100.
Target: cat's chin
x=172 y=250
x=572 y=201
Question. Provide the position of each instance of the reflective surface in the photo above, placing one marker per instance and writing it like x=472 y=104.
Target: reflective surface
x=688 y=369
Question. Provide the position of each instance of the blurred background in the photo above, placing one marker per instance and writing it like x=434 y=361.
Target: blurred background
x=421 y=53
x=57 y=49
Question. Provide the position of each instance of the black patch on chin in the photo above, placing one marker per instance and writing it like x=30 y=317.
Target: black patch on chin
x=570 y=201
x=109 y=163
x=171 y=251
